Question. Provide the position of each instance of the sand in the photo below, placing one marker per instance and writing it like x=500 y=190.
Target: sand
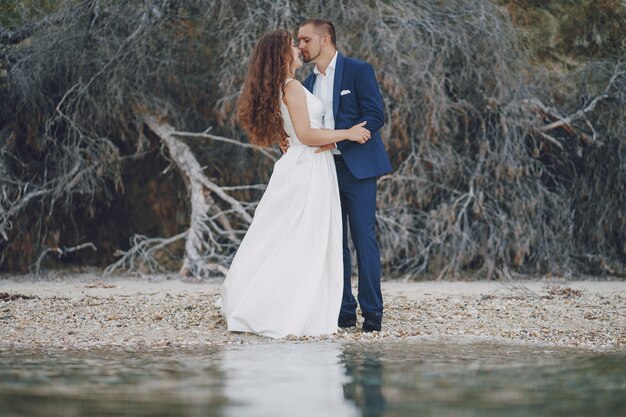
x=85 y=311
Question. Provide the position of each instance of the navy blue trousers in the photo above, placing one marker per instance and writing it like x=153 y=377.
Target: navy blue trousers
x=358 y=211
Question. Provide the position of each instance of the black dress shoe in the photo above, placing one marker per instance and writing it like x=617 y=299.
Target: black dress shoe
x=373 y=322
x=346 y=321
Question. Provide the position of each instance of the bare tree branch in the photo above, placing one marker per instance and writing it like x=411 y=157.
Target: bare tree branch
x=61 y=252
x=200 y=235
x=226 y=140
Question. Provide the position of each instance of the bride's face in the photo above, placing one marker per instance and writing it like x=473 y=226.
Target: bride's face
x=296 y=60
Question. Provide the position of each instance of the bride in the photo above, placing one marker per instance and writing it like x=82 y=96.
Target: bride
x=287 y=276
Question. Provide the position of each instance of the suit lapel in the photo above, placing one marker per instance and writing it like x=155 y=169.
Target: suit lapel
x=310 y=82
x=337 y=83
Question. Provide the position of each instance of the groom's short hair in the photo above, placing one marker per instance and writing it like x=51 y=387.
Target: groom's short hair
x=325 y=25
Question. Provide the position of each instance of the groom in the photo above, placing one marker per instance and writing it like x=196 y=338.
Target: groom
x=350 y=94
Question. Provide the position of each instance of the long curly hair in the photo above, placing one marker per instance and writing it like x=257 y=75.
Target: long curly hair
x=258 y=108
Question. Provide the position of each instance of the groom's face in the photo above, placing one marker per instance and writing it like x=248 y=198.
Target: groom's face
x=309 y=42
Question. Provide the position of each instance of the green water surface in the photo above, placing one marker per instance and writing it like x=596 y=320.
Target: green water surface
x=407 y=378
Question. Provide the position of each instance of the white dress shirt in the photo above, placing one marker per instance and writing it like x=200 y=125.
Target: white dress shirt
x=323 y=89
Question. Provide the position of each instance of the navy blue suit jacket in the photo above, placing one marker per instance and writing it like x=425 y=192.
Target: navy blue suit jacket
x=360 y=102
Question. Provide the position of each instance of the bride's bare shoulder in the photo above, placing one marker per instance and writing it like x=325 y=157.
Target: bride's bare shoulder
x=294 y=90
x=292 y=83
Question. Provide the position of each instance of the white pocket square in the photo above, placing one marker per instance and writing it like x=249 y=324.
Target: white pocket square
x=345 y=92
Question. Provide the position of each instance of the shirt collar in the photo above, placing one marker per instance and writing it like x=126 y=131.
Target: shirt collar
x=331 y=65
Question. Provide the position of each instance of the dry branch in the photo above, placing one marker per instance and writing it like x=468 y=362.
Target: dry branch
x=567 y=121
x=203 y=235
x=218 y=138
x=141 y=254
x=60 y=252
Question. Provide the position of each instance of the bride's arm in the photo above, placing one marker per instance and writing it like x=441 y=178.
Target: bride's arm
x=295 y=99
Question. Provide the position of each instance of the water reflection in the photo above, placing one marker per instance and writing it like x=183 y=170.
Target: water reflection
x=440 y=378
x=408 y=378
x=285 y=380
x=364 y=369
x=110 y=383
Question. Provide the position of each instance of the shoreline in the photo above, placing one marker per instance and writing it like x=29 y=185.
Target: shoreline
x=85 y=311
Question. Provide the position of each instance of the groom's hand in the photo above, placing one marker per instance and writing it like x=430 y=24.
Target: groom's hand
x=326 y=148
x=284 y=145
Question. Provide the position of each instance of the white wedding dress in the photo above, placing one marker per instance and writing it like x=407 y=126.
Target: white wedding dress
x=287 y=276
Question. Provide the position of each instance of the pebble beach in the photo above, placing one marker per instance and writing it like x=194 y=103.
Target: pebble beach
x=85 y=311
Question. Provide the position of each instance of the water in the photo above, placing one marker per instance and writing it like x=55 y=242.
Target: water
x=408 y=378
